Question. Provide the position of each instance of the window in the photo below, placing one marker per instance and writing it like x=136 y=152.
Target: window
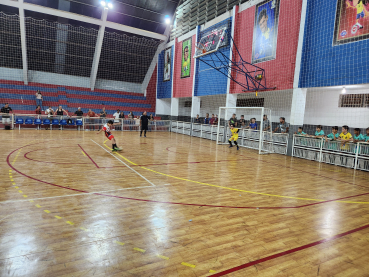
x=353 y=101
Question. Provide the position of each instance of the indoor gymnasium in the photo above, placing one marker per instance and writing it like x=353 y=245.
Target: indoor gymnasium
x=184 y=138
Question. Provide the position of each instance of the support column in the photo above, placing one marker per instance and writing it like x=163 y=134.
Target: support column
x=299 y=94
x=99 y=42
x=196 y=101
x=231 y=101
x=23 y=42
x=61 y=38
x=174 y=109
x=195 y=107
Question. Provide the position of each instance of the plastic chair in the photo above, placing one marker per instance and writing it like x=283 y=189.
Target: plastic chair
x=46 y=122
x=29 y=121
x=55 y=122
x=71 y=123
x=19 y=121
x=79 y=122
x=38 y=123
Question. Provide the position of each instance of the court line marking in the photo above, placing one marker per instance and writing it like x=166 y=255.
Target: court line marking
x=76 y=194
x=164 y=202
x=284 y=253
x=85 y=153
x=124 y=163
x=252 y=192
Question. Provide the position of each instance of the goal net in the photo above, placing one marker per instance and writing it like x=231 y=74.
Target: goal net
x=255 y=129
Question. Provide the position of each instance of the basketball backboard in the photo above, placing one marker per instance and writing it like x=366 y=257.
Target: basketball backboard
x=211 y=41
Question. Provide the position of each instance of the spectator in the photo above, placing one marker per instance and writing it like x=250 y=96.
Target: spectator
x=91 y=120
x=319 y=133
x=103 y=113
x=242 y=122
x=300 y=132
x=197 y=119
x=38 y=110
x=232 y=121
x=212 y=119
x=283 y=126
x=345 y=136
x=151 y=117
x=253 y=125
x=366 y=137
x=6 y=109
x=121 y=115
x=131 y=116
x=207 y=119
x=137 y=120
x=60 y=112
x=79 y=113
x=334 y=135
x=215 y=120
x=39 y=99
x=357 y=136
x=116 y=116
x=266 y=123
x=50 y=113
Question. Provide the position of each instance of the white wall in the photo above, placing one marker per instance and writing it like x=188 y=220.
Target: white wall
x=163 y=106
x=182 y=110
x=11 y=74
x=322 y=108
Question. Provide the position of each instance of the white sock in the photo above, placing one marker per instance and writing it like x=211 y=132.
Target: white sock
x=358 y=24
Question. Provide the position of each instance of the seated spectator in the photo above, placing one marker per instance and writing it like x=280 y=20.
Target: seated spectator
x=131 y=116
x=319 y=133
x=300 y=132
x=103 y=113
x=137 y=120
x=49 y=112
x=233 y=121
x=121 y=115
x=79 y=113
x=242 y=122
x=38 y=110
x=345 y=137
x=366 y=137
x=6 y=109
x=116 y=116
x=151 y=118
x=197 y=119
x=266 y=123
x=207 y=119
x=212 y=119
x=334 y=135
x=253 y=125
x=357 y=136
x=283 y=126
x=215 y=120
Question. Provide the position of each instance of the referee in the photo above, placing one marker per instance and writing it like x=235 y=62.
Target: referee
x=144 y=123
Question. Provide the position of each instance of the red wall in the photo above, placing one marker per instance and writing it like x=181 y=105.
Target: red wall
x=280 y=71
x=183 y=87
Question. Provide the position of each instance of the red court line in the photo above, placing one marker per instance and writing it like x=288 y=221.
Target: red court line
x=88 y=156
x=284 y=253
x=153 y=201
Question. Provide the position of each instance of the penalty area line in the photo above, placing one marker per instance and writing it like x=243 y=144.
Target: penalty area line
x=125 y=164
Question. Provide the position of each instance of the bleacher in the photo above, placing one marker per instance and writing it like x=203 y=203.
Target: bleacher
x=21 y=99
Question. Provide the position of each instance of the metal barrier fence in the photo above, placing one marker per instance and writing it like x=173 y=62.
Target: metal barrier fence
x=30 y=121
x=351 y=155
x=247 y=138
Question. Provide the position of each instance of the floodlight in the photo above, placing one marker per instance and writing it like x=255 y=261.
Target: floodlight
x=103 y=3
x=167 y=19
x=110 y=5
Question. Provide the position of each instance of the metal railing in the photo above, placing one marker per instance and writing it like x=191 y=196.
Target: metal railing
x=30 y=121
x=350 y=155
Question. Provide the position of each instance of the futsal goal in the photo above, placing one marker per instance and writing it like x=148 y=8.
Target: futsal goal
x=260 y=137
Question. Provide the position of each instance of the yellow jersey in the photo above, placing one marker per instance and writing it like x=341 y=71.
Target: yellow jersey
x=234 y=131
x=345 y=137
x=359 y=7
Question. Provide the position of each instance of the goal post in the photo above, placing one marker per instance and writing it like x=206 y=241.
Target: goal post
x=259 y=139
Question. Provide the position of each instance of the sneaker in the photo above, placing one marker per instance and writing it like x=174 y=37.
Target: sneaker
x=114 y=150
x=140 y=135
x=238 y=148
x=145 y=136
x=230 y=146
x=118 y=149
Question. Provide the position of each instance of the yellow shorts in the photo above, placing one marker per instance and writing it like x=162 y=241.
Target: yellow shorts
x=234 y=137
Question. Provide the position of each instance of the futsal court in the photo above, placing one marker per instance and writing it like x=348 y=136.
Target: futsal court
x=172 y=205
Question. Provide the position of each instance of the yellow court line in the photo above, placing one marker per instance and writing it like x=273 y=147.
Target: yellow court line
x=58 y=217
x=212 y=271
x=83 y=153
x=70 y=222
x=139 y=249
x=162 y=257
x=239 y=190
x=189 y=265
x=118 y=242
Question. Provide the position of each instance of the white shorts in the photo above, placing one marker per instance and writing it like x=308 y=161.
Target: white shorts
x=7 y=120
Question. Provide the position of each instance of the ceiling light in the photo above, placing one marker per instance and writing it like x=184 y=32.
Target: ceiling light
x=167 y=19
x=103 y=3
x=110 y=5
x=344 y=90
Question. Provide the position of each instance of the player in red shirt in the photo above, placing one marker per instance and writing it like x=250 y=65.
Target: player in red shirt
x=106 y=129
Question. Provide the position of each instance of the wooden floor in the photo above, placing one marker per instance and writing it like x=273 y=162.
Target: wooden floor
x=172 y=205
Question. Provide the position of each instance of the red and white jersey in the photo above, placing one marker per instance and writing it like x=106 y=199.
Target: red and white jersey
x=106 y=128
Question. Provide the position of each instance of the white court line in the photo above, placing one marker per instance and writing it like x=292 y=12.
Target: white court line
x=76 y=194
x=124 y=163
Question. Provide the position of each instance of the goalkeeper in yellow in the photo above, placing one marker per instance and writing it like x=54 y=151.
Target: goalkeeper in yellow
x=234 y=137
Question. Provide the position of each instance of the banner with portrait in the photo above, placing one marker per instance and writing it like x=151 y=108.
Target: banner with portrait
x=352 y=21
x=186 y=58
x=167 y=64
x=264 y=46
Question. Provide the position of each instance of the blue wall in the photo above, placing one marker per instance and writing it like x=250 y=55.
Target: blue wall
x=209 y=81
x=322 y=63
x=164 y=89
